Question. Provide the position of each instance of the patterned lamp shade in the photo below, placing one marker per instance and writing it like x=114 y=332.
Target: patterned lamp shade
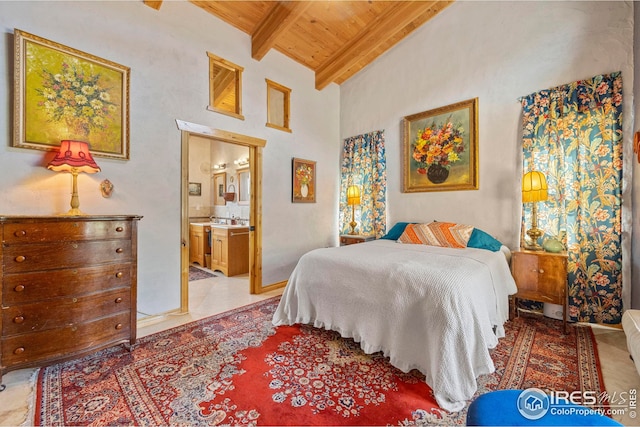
x=74 y=157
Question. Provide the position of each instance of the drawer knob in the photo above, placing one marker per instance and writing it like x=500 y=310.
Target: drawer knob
x=119 y=326
x=18 y=319
x=541 y=271
x=118 y=300
x=119 y=229
x=19 y=288
x=119 y=274
x=20 y=258
x=119 y=250
x=18 y=350
x=20 y=233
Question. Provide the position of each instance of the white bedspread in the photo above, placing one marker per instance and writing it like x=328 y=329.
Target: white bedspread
x=424 y=307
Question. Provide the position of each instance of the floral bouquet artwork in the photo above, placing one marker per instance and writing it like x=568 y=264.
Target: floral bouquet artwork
x=303 y=180
x=436 y=148
x=63 y=93
x=441 y=148
x=77 y=99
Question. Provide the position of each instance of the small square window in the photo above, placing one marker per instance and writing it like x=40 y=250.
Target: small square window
x=278 y=106
x=225 y=87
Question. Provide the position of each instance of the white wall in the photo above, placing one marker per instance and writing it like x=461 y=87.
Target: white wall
x=200 y=172
x=167 y=53
x=498 y=52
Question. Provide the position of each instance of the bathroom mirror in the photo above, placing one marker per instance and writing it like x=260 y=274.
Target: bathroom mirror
x=278 y=106
x=225 y=87
x=244 y=184
x=219 y=188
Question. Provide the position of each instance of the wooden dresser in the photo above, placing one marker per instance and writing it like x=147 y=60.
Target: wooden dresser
x=68 y=287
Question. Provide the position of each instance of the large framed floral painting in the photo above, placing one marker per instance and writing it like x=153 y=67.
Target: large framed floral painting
x=303 y=187
x=441 y=148
x=63 y=93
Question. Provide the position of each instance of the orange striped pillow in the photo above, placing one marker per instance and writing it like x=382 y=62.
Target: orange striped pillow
x=445 y=234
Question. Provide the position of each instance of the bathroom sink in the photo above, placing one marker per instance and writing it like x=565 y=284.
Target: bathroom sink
x=228 y=226
x=214 y=225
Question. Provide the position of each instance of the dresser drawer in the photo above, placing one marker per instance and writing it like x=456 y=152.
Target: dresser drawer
x=45 y=285
x=64 y=342
x=34 y=317
x=61 y=255
x=43 y=232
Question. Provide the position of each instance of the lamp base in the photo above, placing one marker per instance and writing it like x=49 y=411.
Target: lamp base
x=74 y=212
x=353 y=225
x=534 y=234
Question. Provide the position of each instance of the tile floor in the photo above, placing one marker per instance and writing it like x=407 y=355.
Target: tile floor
x=217 y=294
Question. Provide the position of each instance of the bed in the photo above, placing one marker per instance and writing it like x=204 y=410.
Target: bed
x=435 y=309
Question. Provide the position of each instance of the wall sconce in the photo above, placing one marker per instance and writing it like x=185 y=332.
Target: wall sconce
x=243 y=161
x=74 y=157
x=220 y=166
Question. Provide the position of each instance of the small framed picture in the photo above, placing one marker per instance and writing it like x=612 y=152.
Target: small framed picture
x=195 y=189
x=303 y=188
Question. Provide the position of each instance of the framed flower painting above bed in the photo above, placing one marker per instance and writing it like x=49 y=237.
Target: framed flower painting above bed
x=441 y=148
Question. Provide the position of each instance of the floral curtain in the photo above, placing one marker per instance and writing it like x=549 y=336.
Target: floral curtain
x=364 y=164
x=573 y=134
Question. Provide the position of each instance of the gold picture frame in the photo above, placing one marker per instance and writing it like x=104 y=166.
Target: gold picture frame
x=63 y=93
x=441 y=149
x=303 y=181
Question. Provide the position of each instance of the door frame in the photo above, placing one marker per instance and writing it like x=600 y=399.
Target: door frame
x=255 y=146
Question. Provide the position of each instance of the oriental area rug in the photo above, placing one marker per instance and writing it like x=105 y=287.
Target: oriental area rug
x=235 y=368
x=196 y=273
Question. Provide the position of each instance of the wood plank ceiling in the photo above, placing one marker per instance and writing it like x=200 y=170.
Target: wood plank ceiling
x=335 y=39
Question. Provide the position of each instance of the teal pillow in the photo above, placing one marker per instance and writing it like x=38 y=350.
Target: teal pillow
x=481 y=240
x=396 y=231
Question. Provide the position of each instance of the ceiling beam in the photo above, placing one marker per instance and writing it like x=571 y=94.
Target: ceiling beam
x=155 y=4
x=373 y=35
x=275 y=23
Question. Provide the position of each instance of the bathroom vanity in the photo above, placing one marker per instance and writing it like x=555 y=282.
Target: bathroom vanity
x=229 y=247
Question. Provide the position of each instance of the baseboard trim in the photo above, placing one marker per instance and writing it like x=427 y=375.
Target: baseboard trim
x=273 y=286
x=156 y=318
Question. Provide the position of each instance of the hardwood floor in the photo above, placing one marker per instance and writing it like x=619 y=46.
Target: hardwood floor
x=218 y=294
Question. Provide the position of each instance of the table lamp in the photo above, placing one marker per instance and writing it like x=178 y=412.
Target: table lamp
x=353 y=199
x=534 y=190
x=74 y=157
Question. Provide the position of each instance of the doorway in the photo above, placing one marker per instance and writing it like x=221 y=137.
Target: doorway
x=255 y=145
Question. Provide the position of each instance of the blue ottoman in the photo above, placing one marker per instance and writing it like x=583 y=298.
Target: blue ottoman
x=527 y=408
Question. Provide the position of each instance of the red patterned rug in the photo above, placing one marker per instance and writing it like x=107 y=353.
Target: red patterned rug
x=236 y=368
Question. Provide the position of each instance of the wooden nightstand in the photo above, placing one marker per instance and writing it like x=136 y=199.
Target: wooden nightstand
x=350 y=239
x=540 y=276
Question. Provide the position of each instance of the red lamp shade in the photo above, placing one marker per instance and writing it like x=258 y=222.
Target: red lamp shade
x=73 y=155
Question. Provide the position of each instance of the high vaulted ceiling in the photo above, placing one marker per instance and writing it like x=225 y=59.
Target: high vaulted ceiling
x=335 y=39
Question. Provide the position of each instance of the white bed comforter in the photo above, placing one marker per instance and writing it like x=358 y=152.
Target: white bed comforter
x=425 y=307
